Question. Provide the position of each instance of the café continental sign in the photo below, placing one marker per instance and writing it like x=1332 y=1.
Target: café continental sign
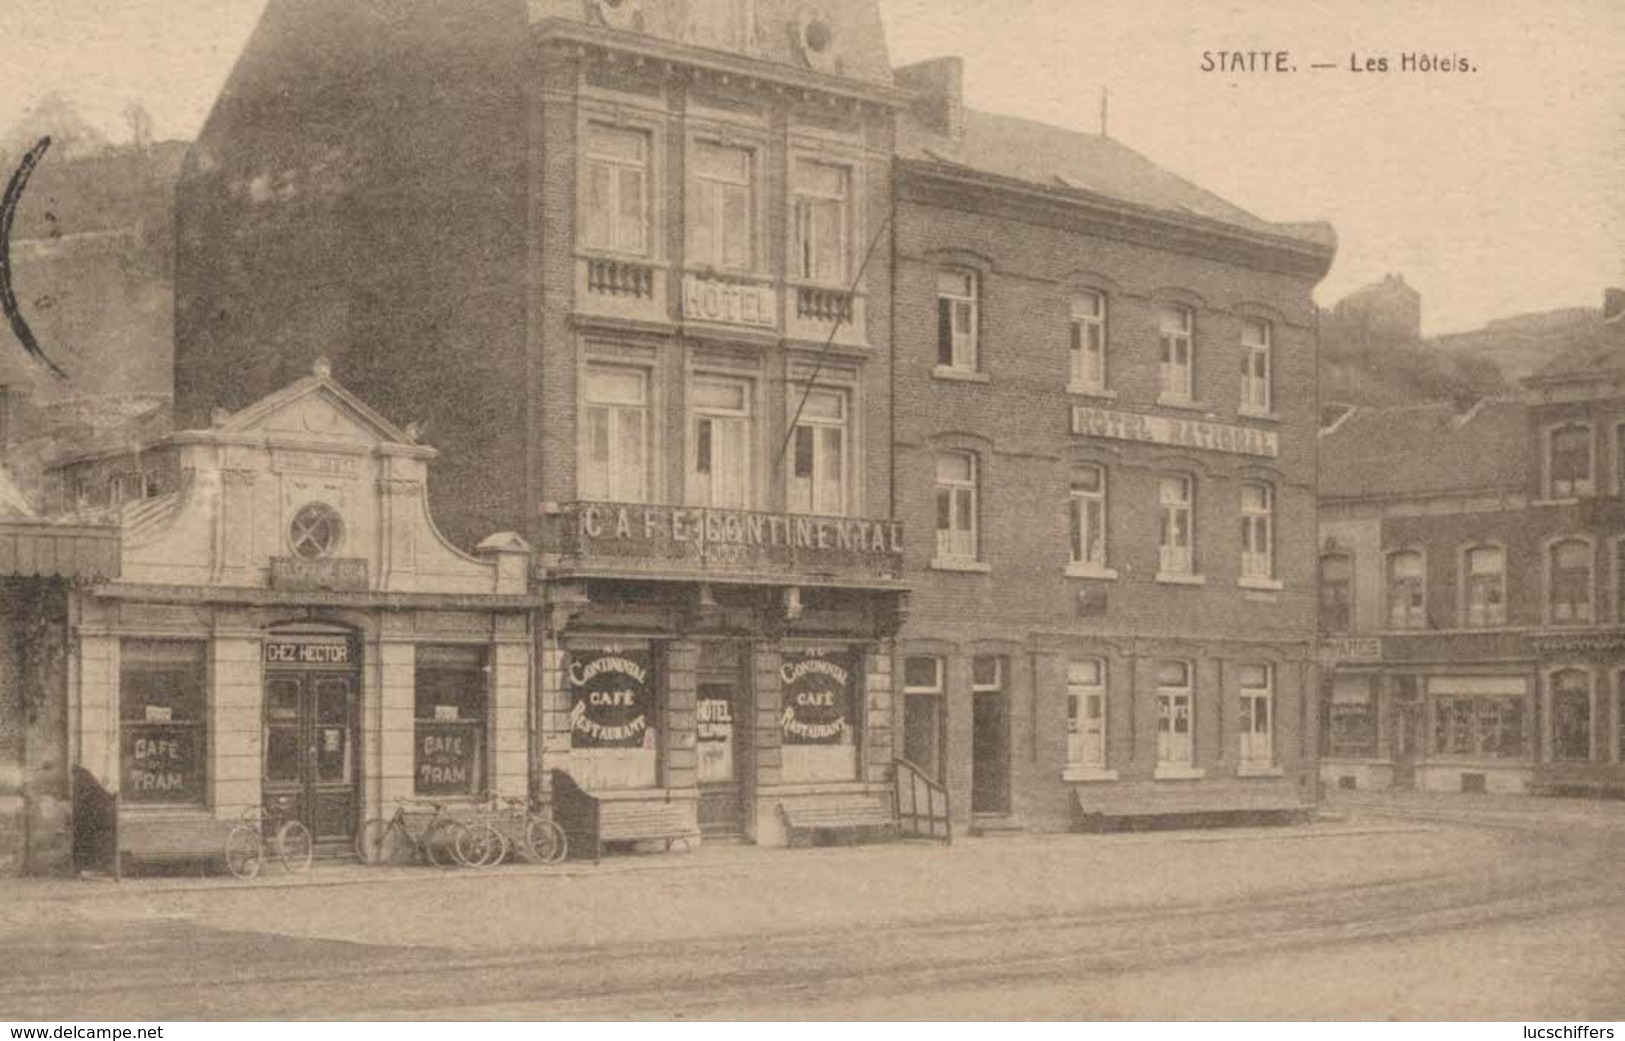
x=289 y=630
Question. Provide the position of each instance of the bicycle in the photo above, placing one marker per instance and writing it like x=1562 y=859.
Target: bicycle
x=244 y=850
x=432 y=838
x=284 y=837
x=537 y=834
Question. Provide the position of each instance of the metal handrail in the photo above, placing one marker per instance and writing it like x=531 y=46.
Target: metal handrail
x=933 y=823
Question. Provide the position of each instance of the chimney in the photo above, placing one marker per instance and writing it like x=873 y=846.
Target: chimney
x=939 y=89
x=1613 y=304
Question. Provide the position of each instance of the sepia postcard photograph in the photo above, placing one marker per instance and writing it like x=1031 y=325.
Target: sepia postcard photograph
x=812 y=510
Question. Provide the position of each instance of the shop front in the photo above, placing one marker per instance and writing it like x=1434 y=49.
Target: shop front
x=733 y=672
x=1581 y=737
x=291 y=634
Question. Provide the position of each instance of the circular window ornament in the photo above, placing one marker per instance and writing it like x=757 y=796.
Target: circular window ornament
x=817 y=41
x=617 y=14
x=316 y=531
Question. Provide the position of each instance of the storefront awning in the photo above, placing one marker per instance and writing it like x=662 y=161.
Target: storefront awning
x=46 y=549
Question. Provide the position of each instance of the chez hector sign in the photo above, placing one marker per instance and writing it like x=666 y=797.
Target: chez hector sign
x=817 y=697
x=610 y=698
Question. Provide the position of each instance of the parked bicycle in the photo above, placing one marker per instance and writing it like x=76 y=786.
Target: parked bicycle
x=536 y=835
x=431 y=836
x=284 y=837
x=244 y=849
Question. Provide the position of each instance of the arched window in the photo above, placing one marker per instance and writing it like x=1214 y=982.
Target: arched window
x=1086 y=713
x=1175 y=713
x=1176 y=494
x=1257 y=715
x=1088 y=358
x=1571 y=715
x=956 y=506
x=1087 y=509
x=1407 y=590
x=1483 y=592
x=1569 y=583
x=1568 y=462
x=1336 y=592
x=1257 y=530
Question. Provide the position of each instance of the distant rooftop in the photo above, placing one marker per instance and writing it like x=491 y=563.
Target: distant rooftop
x=1425 y=450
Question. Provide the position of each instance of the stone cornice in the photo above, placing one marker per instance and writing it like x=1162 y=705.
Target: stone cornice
x=950 y=186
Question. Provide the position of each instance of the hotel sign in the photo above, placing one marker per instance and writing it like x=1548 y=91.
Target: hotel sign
x=1334 y=649
x=1169 y=430
x=729 y=303
x=656 y=537
x=1571 y=643
x=338 y=574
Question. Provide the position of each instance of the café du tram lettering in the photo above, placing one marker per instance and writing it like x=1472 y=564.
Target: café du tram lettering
x=817 y=697
x=610 y=698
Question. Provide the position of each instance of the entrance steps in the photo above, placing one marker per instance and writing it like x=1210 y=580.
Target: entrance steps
x=997 y=825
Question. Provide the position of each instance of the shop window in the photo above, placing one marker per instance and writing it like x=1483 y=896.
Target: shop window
x=1087 y=515
x=1484 y=727
x=722 y=438
x=451 y=695
x=1176 y=325
x=1176 y=493
x=1175 y=714
x=1256 y=364
x=1257 y=531
x=820 y=466
x=1257 y=716
x=956 y=507
x=614 y=737
x=924 y=718
x=1569 y=462
x=821 y=211
x=615 y=451
x=1484 y=586
x=1336 y=592
x=162 y=736
x=1088 y=355
x=1568 y=582
x=1571 y=715
x=957 y=319
x=615 y=196
x=819 y=719
x=1350 y=727
x=722 y=207
x=1407 y=590
x=1086 y=713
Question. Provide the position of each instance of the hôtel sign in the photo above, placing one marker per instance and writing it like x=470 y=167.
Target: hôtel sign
x=729 y=303
x=1168 y=430
x=649 y=536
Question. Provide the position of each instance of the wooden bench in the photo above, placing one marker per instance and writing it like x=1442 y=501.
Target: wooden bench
x=1141 y=799
x=172 y=839
x=589 y=820
x=857 y=815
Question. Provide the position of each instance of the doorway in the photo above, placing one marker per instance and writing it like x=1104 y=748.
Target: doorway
x=1407 y=735
x=990 y=753
x=721 y=708
x=310 y=751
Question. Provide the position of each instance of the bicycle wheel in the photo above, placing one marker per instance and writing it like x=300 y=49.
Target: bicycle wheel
x=441 y=842
x=294 y=846
x=481 y=845
x=379 y=842
x=545 y=841
x=245 y=851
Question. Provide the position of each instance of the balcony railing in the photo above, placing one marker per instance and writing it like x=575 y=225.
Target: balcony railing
x=620 y=278
x=823 y=305
x=625 y=537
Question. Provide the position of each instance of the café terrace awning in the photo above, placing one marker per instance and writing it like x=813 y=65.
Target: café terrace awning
x=32 y=548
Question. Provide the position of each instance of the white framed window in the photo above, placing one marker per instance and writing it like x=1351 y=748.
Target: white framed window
x=1569 y=463
x=722 y=206
x=722 y=443
x=1088 y=355
x=1256 y=365
x=1569 y=697
x=1257 y=531
x=615 y=452
x=615 y=196
x=1177 y=325
x=1086 y=713
x=1175 y=711
x=821 y=464
x=957 y=318
x=1087 y=508
x=1257 y=715
x=956 y=506
x=924 y=715
x=1176 y=495
x=821 y=211
x=1569 y=584
x=1407 y=590
x=1484 y=581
